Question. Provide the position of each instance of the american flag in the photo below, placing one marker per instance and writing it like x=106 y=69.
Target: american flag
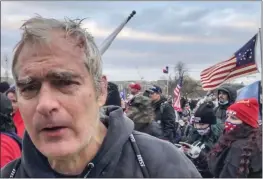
x=242 y=63
x=177 y=96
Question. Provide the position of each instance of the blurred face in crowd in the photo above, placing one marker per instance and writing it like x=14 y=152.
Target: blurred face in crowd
x=134 y=91
x=233 y=119
x=154 y=96
x=200 y=126
x=58 y=100
x=13 y=99
x=222 y=96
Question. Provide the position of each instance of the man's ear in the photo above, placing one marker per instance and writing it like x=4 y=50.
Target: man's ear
x=103 y=91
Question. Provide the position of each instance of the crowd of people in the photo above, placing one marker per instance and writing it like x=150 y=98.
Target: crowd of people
x=63 y=119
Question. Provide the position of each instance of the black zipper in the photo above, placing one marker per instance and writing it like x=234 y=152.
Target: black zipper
x=90 y=167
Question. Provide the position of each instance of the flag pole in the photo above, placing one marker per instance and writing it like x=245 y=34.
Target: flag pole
x=167 y=84
x=261 y=60
x=108 y=41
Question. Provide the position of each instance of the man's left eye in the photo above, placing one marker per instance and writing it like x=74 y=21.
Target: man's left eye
x=65 y=82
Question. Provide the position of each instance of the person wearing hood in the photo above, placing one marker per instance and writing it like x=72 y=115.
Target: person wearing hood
x=58 y=73
x=226 y=96
x=206 y=132
x=164 y=114
x=10 y=142
x=141 y=113
x=238 y=153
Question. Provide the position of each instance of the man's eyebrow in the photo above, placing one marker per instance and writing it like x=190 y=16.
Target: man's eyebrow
x=24 y=81
x=63 y=75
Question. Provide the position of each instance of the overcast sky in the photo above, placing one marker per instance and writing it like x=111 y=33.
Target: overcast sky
x=161 y=33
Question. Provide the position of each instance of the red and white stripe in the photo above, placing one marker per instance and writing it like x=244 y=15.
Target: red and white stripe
x=216 y=75
x=177 y=98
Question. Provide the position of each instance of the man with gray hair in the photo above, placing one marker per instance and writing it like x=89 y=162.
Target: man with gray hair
x=60 y=88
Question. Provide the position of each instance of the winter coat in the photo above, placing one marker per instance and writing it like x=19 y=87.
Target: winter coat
x=152 y=128
x=19 y=123
x=226 y=163
x=10 y=142
x=10 y=149
x=220 y=110
x=140 y=111
x=117 y=158
x=185 y=131
x=209 y=141
x=166 y=117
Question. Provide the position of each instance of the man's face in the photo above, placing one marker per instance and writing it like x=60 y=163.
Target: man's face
x=57 y=98
x=222 y=96
x=134 y=91
x=12 y=97
x=154 y=96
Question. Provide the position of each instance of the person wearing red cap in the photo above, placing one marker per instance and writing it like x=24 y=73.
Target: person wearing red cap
x=239 y=150
x=135 y=88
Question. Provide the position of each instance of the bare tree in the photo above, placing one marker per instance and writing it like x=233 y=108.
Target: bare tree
x=6 y=66
x=180 y=69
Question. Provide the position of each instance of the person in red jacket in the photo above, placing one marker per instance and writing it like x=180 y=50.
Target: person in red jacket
x=18 y=121
x=10 y=142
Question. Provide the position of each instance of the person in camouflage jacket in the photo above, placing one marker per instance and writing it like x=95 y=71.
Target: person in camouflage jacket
x=140 y=111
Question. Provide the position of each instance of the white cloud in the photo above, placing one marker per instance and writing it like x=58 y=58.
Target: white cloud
x=231 y=18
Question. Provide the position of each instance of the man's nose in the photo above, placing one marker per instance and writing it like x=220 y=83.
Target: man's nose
x=47 y=101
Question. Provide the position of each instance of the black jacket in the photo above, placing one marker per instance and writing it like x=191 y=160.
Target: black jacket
x=116 y=157
x=209 y=141
x=226 y=164
x=166 y=119
x=220 y=110
x=113 y=97
x=153 y=129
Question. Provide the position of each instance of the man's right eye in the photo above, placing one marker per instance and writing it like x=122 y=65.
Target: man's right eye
x=28 y=88
x=29 y=91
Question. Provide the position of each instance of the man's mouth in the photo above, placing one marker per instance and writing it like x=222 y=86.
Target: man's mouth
x=50 y=129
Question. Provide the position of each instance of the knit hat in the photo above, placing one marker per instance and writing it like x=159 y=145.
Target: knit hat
x=246 y=110
x=4 y=86
x=205 y=114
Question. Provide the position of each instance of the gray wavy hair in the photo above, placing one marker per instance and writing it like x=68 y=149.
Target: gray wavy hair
x=37 y=31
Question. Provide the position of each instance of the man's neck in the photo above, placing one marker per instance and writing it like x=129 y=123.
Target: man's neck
x=76 y=163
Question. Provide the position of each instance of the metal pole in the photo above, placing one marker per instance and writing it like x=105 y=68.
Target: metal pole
x=261 y=55
x=108 y=41
x=167 y=84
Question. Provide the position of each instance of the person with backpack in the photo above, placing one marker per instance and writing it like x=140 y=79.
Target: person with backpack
x=10 y=142
x=164 y=114
x=141 y=113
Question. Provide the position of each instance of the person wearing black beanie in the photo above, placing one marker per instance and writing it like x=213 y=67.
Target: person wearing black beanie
x=206 y=132
x=4 y=86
